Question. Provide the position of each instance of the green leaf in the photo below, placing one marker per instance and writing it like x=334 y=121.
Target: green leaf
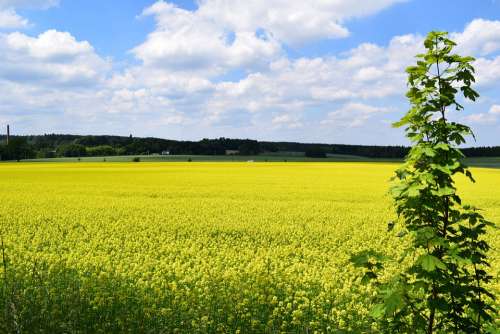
x=400 y=123
x=442 y=169
x=430 y=262
x=359 y=259
x=429 y=152
x=469 y=175
x=442 y=146
x=445 y=191
x=378 y=311
x=393 y=302
x=413 y=192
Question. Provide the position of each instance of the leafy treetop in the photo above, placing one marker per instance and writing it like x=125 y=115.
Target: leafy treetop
x=443 y=290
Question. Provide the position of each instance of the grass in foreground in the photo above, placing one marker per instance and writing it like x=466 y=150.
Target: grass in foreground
x=198 y=247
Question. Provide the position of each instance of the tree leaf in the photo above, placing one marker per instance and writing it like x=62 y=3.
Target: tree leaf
x=430 y=262
x=378 y=311
x=393 y=302
x=442 y=146
x=445 y=191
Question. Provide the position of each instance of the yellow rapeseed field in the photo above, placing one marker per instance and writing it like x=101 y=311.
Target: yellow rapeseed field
x=199 y=247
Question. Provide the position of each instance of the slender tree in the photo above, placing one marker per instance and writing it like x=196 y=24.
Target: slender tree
x=444 y=288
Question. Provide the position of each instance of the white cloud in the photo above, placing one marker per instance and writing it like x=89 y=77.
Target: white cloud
x=291 y=22
x=352 y=114
x=480 y=37
x=487 y=71
x=490 y=117
x=368 y=72
x=287 y=120
x=288 y=93
x=185 y=79
x=221 y=35
x=495 y=109
x=188 y=48
x=30 y=4
x=10 y=20
x=481 y=118
x=187 y=41
x=52 y=57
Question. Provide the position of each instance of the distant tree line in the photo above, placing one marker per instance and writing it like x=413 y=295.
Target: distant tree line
x=321 y=150
x=56 y=145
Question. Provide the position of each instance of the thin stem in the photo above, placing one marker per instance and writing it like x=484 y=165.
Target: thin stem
x=444 y=139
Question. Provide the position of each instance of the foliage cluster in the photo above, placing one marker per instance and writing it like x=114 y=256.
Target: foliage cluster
x=444 y=290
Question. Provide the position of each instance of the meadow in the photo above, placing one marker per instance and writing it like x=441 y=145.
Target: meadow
x=488 y=162
x=215 y=247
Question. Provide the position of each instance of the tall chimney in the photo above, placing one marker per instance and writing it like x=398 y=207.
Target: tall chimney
x=8 y=133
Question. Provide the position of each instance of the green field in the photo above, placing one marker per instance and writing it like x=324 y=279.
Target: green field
x=278 y=157
x=488 y=162
x=200 y=247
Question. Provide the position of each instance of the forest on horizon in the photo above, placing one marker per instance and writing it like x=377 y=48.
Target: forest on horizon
x=66 y=145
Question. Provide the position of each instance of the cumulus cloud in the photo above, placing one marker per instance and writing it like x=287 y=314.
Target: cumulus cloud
x=353 y=114
x=52 y=57
x=488 y=71
x=186 y=41
x=480 y=37
x=490 y=117
x=224 y=34
x=287 y=120
x=30 y=4
x=9 y=19
x=183 y=78
x=368 y=72
x=287 y=92
x=51 y=79
x=495 y=109
x=291 y=22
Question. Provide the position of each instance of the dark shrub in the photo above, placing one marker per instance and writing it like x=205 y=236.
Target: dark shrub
x=315 y=154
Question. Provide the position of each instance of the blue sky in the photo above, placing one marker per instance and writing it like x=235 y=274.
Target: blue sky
x=276 y=70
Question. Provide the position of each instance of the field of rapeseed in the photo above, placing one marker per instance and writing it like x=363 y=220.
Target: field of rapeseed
x=199 y=247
